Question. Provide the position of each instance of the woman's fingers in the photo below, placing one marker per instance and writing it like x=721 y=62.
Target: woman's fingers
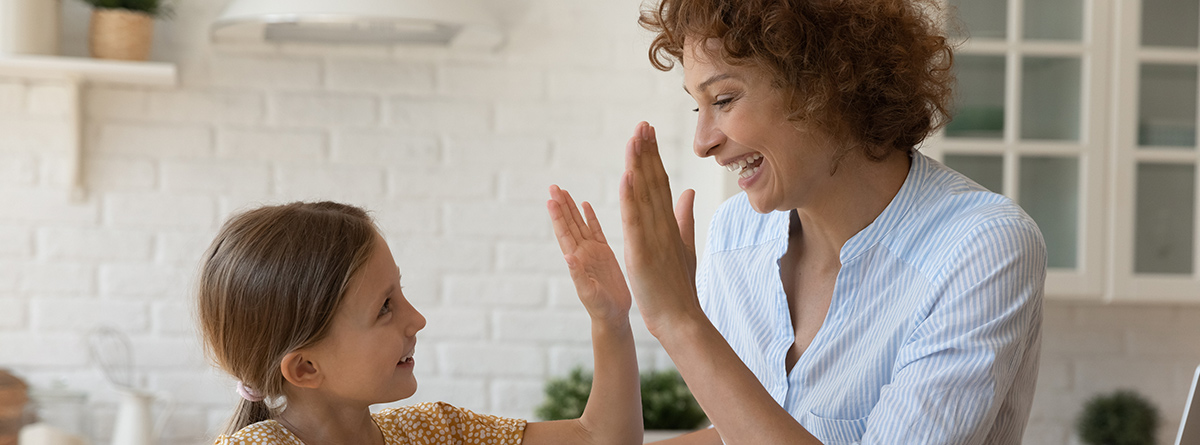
x=655 y=171
x=686 y=220
x=658 y=188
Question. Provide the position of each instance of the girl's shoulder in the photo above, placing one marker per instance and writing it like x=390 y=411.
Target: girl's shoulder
x=267 y=432
x=440 y=422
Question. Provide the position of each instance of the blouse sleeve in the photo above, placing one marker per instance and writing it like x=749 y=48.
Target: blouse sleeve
x=442 y=423
x=980 y=333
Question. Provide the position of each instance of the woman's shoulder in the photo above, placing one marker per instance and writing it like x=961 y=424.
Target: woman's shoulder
x=430 y=420
x=948 y=213
x=267 y=432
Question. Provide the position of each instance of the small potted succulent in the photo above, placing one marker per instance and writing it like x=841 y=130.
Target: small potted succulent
x=123 y=29
x=668 y=408
x=1120 y=418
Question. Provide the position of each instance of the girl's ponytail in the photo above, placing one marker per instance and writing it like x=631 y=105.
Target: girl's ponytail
x=247 y=413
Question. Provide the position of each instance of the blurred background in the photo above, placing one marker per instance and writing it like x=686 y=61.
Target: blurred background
x=114 y=176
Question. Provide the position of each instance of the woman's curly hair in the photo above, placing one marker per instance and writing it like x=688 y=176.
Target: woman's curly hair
x=877 y=72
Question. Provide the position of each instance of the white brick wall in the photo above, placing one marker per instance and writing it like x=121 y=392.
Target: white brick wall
x=453 y=152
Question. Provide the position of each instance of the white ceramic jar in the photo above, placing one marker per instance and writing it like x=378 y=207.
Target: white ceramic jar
x=29 y=26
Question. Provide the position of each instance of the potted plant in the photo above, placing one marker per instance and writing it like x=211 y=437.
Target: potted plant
x=1120 y=418
x=123 y=29
x=668 y=408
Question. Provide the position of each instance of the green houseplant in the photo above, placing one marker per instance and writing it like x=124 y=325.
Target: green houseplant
x=1120 y=418
x=123 y=29
x=666 y=402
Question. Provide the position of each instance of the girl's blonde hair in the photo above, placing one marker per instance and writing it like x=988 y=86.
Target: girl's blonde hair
x=270 y=284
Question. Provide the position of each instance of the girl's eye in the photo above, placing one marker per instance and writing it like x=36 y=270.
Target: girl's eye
x=387 y=307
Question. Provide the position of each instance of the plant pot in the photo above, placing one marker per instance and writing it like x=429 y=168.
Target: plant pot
x=120 y=34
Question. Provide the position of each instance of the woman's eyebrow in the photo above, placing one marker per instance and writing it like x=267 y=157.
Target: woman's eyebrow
x=704 y=85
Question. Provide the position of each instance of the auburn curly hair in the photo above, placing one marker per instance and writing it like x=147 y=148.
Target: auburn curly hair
x=875 y=72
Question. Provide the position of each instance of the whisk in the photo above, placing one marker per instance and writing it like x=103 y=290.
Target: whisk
x=110 y=349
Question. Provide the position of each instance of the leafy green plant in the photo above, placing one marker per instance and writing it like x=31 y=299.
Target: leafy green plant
x=666 y=402
x=153 y=7
x=1120 y=418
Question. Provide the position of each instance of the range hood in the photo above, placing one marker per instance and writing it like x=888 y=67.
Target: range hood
x=450 y=23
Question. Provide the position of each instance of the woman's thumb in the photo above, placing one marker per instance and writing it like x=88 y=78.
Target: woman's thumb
x=685 y=218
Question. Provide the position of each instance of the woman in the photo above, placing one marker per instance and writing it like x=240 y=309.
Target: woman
x=857 y=291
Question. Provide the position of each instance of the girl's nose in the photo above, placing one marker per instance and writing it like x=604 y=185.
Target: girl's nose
x=415 y=321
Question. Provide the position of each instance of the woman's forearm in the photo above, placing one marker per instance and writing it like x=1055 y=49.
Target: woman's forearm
x=614 y=409
x=734 y=400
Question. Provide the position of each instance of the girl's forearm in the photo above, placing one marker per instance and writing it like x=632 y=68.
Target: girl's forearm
x=614 y=409
x=734 y=400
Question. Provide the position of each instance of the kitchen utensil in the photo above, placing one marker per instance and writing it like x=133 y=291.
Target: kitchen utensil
x=110 y=349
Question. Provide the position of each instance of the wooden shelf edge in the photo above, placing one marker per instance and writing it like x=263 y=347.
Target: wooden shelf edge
x=89 y=70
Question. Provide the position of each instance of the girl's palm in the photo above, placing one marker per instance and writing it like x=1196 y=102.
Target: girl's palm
x=594 y=269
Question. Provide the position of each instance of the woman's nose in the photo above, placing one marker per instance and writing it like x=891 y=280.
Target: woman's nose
x=708 y=137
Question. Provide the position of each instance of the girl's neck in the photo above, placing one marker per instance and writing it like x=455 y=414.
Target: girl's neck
x=316 y=421
x=859 y=194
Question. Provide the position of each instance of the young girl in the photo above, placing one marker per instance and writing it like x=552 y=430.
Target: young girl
x=302 y=303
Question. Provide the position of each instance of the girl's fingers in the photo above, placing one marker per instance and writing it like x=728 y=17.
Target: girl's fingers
x=566 y=208
x=576 y=218
x=565 y=241
x=593 y=223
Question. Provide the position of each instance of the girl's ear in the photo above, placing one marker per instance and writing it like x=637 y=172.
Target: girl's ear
x=299 y=371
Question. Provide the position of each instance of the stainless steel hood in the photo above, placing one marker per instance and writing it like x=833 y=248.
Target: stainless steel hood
x=450 y=23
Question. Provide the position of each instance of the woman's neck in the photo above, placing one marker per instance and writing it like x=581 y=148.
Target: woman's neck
x=854 y=197
x=317 y=421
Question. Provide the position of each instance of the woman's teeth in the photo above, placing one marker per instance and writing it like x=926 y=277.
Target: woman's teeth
x=745 y=167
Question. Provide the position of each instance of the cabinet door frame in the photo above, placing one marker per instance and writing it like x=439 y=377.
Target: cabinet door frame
x=1125 y=284
x=1086 y=280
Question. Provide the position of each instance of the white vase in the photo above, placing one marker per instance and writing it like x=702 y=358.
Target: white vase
x=29 y=26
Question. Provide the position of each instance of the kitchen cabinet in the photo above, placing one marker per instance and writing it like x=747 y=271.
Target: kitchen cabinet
x=1085 y=113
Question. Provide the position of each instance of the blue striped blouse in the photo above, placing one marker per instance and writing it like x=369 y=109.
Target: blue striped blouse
x=934 y=329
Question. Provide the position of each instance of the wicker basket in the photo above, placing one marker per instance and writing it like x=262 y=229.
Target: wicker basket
x=13 y=396
x=120 y=34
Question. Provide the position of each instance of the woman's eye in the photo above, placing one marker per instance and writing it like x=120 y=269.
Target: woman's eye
x=387 y=307
x=720 y=103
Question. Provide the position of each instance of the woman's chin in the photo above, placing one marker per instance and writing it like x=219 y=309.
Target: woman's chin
x=758 y=204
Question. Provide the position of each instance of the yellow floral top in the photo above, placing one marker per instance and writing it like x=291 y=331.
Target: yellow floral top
x=434 y=423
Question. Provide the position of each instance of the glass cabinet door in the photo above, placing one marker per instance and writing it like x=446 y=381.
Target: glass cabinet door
x=1031 y=78
x=1155 y=155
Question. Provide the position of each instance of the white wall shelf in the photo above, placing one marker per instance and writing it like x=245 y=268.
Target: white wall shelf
x=77 y=73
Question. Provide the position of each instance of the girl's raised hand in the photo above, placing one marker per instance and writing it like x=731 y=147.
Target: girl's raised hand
x=660 y=246
x=594 y=269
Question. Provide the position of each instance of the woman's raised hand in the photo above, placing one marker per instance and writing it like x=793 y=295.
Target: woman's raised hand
x=594 y=269
x=660 y=245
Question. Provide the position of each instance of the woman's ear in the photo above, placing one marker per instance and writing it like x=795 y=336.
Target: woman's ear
x=299 y=371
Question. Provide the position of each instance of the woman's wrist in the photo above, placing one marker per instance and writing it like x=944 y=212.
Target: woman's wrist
x=684 y=322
